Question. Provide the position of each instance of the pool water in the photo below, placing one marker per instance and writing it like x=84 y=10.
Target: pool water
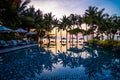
x=64 y=63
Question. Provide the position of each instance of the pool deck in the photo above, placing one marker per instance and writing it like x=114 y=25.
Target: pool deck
x=6 y=50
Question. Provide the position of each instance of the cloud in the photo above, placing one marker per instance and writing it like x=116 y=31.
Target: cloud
x=66 y=7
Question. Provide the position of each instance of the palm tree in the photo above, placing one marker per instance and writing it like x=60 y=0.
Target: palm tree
x=55 y=25
x=22 y=6
x=65 y=24
x=79 y=23
x=118 y=27
x=85 y=20
x=100 y=20
x=10 y=11
x=90 y=16
x=114 y=26
x=73 y=18
x=60 y=28
x=28 y=18
x=39 y=25
x=48 y=19
x=95 y=19
x=111 y=26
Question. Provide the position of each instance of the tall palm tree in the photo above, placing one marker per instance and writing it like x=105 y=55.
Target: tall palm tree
x=115 y=26
x=73 y=18
x=39 y=25
x=118 y=27
x=22 y=6
x=111 y=26
x=55 y=25
x=28 y=17
x=90 y=15
x=65 y=24
x=48 y=19
x=9 y=11
x=100 y=19
x=107 y=24
x=95 y=19
x=79 y=23
x=60 y=28
x=85 y=21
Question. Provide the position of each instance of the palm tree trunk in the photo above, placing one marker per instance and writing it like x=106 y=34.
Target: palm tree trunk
x=113 y=36
x=77 y=40
x=86 y=30
x=70 y=39
x=107 y=36
x=110 y=36
x=38 y=36
x=118 y=36
x=83 y=38
x=56 y=36
x=92 y=35
x=61 y=36
x=49 y=40
x=66 y=40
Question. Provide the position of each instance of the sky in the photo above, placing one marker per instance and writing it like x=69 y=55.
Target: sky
x=66 y=7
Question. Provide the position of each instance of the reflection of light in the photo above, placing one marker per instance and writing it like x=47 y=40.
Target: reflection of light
x=95 y=51
x=38 y=45
x=85 y=55
x=1 y=59
x=116 y=61
x=30 y=50
x=58 y=47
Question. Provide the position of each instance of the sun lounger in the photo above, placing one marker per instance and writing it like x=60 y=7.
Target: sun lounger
x=26 y=41
x=14 y=42
x=19 y=42
x=3 y=44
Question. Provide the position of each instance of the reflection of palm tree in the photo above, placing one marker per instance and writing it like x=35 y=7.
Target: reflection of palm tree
x=35 y=60
x=28 y=64
x=75 y=50
x=95 y=64
x=68 y=60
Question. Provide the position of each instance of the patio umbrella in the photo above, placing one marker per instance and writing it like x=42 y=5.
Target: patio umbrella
x=20 y=30
x=31 y=33
x=5 y=29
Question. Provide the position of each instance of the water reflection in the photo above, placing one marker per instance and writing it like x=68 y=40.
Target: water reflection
x=56 y=63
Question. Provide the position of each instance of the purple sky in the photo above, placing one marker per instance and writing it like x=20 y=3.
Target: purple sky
x=66 y=7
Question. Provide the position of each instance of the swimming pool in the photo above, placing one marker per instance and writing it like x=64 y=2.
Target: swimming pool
x=64 y=63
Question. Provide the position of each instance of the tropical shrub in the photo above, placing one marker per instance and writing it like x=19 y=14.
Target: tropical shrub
x=118 y=44
x=93 y=41
x=104 y=43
